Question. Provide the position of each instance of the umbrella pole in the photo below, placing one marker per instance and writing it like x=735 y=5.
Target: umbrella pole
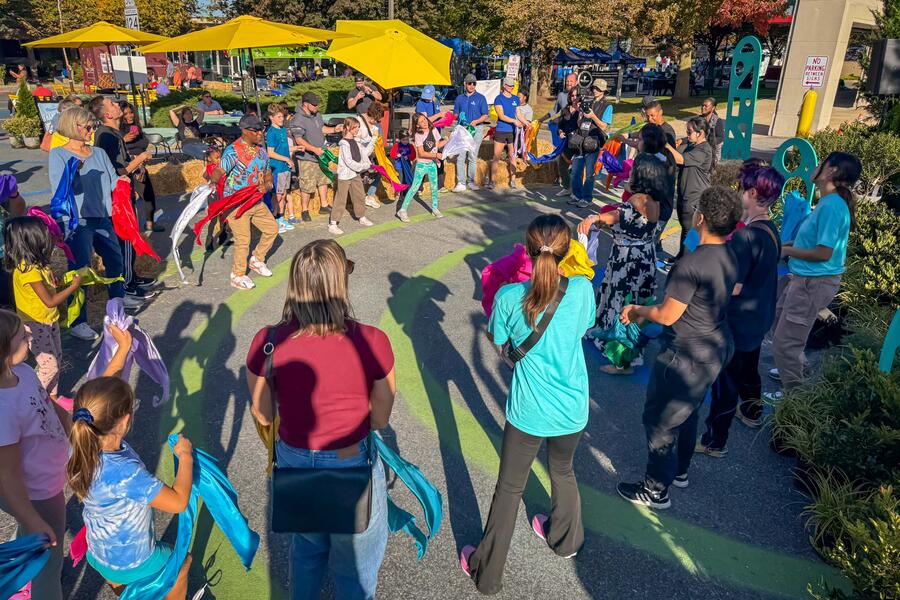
x=255 y=87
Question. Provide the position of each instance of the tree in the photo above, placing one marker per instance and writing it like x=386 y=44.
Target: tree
x=736 y=18
x=41 y=18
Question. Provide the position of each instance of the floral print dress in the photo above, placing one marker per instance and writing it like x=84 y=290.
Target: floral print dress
x=631 y=267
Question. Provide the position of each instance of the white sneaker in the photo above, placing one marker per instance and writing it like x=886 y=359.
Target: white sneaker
x=459 y=187
x=513 y=184
x=473 y=187
x=437 y=214
x=365 y=222
x=83 y=331
x=563 y=192
x=582 y=204
x=371 y=202
x=258 y=266
x=242 y=283
x=773 y=397
x=132 y=302
x=774 y=374
x=401 y=214
x=333 y=229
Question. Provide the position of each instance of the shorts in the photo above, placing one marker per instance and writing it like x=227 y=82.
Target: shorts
x=149 y=567
x=505 y=137
x=282 y=182
x=311 y=177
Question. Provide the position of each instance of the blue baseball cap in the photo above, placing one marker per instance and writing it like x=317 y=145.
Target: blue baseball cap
x=428 y=92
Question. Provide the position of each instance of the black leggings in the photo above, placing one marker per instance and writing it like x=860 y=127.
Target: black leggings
x=565 y=532
x=739 y=380
x=144 y=191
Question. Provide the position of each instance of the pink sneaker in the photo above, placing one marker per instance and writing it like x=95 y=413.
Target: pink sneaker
x=464 y=556
x=537 y=525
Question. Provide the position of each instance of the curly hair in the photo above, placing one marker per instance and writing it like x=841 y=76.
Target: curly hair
x=721 y=209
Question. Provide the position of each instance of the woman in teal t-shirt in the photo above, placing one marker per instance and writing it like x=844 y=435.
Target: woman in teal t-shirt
x=816 y=261
x=548 y=399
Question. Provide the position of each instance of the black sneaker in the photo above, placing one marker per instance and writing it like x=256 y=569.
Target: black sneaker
x=325 y=209
x=637 y=493
x=135 y=291
x=305 y=216
x=750 y=413
x=145 y=283
x=681 y=481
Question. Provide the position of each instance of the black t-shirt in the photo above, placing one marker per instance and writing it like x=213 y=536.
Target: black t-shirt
x=751 y=314
x=111 y=142
x=695 y=172
x=704 y=280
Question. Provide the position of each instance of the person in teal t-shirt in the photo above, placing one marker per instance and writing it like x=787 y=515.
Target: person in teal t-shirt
x=280 y=162
x=548 y=399
x=816 y=262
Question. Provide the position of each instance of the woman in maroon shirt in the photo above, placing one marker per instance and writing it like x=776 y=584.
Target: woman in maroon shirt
x=334 y=379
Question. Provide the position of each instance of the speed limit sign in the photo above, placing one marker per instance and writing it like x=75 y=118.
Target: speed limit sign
x=585 y=79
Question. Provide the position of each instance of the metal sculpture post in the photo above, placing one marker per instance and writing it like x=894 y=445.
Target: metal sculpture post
x=804 y=170
x=742 y=89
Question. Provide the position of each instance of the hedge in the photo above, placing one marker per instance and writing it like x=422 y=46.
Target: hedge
x=332 y=91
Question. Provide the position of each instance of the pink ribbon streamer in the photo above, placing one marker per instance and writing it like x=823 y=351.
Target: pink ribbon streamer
x=398 y=187
x=55 y=231
x=446 y=120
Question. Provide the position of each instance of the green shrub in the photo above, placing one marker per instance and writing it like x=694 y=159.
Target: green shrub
x=332 y=91
x=878 y=151
x=869 y=551
x=26 y=107
x=872 y=274
x=21 y=126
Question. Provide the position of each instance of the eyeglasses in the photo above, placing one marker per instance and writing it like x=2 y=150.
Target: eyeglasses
x=350 y=266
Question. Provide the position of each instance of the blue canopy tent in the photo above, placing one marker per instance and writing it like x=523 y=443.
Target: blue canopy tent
x=619 y=56
x=574 y=56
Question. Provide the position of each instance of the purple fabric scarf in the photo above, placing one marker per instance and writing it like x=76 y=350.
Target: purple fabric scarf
x=143 y=351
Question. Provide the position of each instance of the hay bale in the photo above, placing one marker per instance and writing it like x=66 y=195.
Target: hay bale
x=727 y=174
x=176 y=177
x=526 y=173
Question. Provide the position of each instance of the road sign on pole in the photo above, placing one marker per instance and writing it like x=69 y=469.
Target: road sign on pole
x=131 y=15
x=814 y=73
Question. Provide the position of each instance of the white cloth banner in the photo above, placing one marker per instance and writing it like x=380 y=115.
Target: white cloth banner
x=197 y=202
x=489 y=88
x=459 y=142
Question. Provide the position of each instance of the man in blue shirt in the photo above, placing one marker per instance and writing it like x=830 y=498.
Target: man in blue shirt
x=471 y=107
x=427 y=104
x=506 y=104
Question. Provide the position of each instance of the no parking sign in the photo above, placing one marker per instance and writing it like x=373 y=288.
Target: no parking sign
x=814 y=72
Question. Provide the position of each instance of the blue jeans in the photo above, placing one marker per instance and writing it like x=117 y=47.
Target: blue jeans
x=97 y=233
x=373 y=189
x=583 y=176
x=354 y=560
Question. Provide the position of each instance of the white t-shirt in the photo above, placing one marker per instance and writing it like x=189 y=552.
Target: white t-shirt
x=28 y=418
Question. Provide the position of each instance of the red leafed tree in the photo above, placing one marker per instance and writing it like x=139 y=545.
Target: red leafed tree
x=737 y=18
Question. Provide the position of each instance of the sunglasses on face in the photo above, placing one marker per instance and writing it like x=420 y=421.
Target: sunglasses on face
x=471 y=83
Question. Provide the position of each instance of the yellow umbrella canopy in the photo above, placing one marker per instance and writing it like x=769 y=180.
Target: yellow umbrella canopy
x=392 y=53
x=243 y=32
x=100 y=33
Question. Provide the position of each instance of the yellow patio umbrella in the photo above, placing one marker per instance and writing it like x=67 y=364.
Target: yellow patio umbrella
x=100 y=33
x=244 y=32
x=391 y=53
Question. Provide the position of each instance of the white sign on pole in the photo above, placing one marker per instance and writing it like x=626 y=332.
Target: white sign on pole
x=512 y=67
x=131 y=15
x=814 y=72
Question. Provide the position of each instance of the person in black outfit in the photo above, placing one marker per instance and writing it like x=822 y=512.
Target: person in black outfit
x=568 y=125
x=136 y=143
x=108 y=138
x=751 y=312
x=696 y=342
x=695 y=164
x=716 y=127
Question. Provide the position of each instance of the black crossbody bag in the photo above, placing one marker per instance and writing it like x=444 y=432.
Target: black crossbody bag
x=318 y=500
x=517 y=353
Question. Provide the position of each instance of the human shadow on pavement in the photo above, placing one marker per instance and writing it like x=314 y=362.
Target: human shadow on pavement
x=431 y=347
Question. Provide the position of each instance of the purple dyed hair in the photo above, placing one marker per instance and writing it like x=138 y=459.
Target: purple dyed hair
x=765 y=180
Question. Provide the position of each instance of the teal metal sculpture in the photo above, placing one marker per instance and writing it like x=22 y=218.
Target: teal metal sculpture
x=742 y=90
x=804 y=169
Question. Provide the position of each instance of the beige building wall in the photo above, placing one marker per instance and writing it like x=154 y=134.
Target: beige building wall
x=820 y=28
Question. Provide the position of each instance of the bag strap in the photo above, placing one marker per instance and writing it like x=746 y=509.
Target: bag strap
x=768 y=229
x=521 y=350
x=269 y=374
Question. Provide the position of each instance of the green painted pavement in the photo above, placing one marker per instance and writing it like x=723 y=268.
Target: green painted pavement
x=699 y=551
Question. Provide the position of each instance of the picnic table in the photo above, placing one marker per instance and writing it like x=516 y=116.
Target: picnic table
x=226 y=119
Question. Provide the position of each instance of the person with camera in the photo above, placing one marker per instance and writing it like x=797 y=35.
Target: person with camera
x=543 y=321
x=593 y=118
x=362 y=96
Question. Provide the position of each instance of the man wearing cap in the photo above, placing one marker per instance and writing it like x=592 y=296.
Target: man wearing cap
x=473 y=105
x=308 y=131
x=362 y=95
x=593 y=127
x=507 y=106
x=245 y=163
x=562 y=100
